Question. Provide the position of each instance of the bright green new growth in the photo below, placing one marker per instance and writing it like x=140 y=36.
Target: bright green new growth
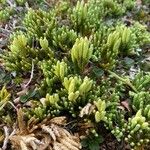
x=81 y=52
x=5 y=14
x=4 y=98
x=79 y=16
x=43 y=23
x=138 y=131
x=140 y=100
x=110 y=50
x=128 y=42
x=21 y=45
x=77 y=52
x=140 y=31
x=88 y=17
x=60 y=69
x=86 y=86
x=100 y=114
x=63 y=38
x=18 y=46
x=141 y=81
x=5 y=107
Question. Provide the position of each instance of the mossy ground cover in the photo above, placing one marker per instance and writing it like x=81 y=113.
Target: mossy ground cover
x=75 y=75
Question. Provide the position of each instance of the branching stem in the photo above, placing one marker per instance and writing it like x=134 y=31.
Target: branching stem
x=126 y=81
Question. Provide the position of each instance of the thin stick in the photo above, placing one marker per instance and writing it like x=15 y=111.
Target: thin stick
x=12 y=133
x=20 y=27
x=47 y=3
x=126 y=81
x=13 y=105
x=4 y=147
x=11 y=4
x=5 y=30
x=31 y=76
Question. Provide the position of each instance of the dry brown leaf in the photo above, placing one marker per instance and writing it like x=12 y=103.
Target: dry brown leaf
x=46 y=140
x=24 y=91
x=59 y=146
x=49 y=134
x=61 y=136
x=21 y=122
x=32 y=125
x=68 y=144
x=72 y=141
x=55 y=129
x=24 y=142
x=16 y=100
x=50 y=131
x=125 y=104
x=87 y=110
x=59 y=120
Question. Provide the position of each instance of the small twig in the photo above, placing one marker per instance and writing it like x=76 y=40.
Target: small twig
x=74 y=121
x=126 y=81
x=5 y=30
x=3 y=35
x=20 y=27
x=31 y=76
x=27 y=6
x=3 y=105
x=11 y=4
x=6 y=130
x=7 y=136
x=12 y=133
x=16 y=100
x=13 y=105
x=14 y=24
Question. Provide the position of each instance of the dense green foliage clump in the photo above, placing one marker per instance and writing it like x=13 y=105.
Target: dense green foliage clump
x=77 y=50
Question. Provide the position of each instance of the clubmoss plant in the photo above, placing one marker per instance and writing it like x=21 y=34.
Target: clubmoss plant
x=77 y=49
